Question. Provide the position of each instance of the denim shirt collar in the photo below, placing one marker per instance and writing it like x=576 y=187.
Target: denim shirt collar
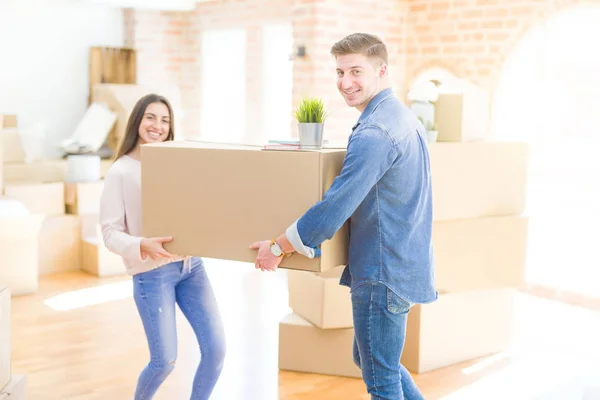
x=375 y=101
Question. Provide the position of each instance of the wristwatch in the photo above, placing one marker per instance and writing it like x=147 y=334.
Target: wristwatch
x=276 y=249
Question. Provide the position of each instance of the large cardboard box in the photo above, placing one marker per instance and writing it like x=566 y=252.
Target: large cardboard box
x=458 y=327
x=212 y=199
x=320 y=299
x=480 y=253
x=19 y=252
x=38 y=197
x=478 y=179
x=16 y=388
x=5 y=339
x=60 y=244
x=463 y=116
x=83 y=197
x=305 y=348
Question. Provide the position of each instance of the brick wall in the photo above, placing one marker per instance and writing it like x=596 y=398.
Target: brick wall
x=470 y=38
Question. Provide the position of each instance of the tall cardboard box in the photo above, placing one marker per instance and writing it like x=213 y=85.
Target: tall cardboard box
x=480 y=253
x=5 y=340
x=212 y=199
x=46 y=198
x=320 y=299
x=305 y=348
x=478 y=179
x=458 y=327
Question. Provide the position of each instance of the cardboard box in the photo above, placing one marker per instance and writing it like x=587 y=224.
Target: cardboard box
x=211 y=198
x=464 y=116
x=5 y=339
x=83 y=197
x=1 y=164
x=13 y=151
x=19 y=253
x=43 y=171
x=38 y=198
x=98 y=260
x=458 y=327
x=478 y=179
x=8 y=121
x=60 y=244
x=15 y=390
x=305 y=348
x=320 y=299
x=480 y=253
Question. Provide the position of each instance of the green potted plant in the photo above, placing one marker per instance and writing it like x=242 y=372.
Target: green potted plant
x=431 y=128
x=311 y=116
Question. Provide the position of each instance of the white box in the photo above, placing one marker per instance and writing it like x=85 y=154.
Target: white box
x=5 y=340
x=478 y=179
x=320 y=299
x=304 y=347
x=480 y=253
x=458 y=327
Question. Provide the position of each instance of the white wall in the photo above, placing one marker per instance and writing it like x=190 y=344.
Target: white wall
x=44 y=60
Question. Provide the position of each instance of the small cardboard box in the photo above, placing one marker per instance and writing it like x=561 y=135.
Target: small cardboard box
x=463 y=116
x=39 y=198
x=305 y=348
x=83 y=197
x=60 y=244
x=8 y=121
x=19 y=254
x=480 y=253
x=458 y=327
x=216 y=200
x=320 y=299
x=5 y=339
x=98 y=260
x=16 y=388
x=478 y=179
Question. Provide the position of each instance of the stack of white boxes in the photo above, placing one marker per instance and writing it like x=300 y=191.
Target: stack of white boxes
x=479 y=238
x=12 y=387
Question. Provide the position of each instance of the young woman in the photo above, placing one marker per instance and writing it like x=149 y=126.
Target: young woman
x=160 y=279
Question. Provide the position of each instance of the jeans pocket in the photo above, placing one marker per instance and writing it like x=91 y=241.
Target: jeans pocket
x=396 y=304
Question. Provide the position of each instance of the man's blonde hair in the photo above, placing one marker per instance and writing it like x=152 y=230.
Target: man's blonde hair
x=361 y=43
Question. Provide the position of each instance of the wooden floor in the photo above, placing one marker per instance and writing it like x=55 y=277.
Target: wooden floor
x=79 y=337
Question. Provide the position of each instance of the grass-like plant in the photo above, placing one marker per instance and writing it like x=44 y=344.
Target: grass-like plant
x=311 y=110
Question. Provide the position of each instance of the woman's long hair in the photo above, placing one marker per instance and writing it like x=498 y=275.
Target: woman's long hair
x=130 y=140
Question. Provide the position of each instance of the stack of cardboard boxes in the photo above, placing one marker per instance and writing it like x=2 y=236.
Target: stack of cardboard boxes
x=44 y=216
x=216 y=199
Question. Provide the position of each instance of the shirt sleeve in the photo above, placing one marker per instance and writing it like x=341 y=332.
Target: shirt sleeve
x=370 y=153
x=112 y=220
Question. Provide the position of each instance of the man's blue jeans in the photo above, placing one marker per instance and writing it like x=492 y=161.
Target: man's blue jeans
x=379 y=332
x=155 y=293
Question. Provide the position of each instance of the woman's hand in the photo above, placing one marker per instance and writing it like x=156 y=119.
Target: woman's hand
x=153 y=248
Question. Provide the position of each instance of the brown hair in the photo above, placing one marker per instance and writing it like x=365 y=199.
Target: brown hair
x=130 y=140
x=361 y=43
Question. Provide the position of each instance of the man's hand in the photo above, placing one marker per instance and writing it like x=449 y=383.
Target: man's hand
x=153 y=248
x=265 y=260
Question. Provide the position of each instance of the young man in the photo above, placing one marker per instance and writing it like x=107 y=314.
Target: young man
x=384 y=189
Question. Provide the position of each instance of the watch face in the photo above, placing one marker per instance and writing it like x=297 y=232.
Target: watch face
x=276 y=250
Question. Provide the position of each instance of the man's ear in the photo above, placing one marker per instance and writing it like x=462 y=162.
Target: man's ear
x=382 y=70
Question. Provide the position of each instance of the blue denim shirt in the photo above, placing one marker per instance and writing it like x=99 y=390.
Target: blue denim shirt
x=384 y=189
